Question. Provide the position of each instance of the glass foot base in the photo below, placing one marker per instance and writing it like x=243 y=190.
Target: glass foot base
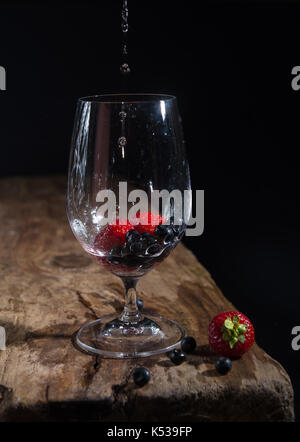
x=108 y=336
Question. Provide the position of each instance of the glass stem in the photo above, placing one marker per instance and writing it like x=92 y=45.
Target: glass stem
x=131 y=313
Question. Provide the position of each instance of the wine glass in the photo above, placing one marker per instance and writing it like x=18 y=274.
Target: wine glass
x=125 y=150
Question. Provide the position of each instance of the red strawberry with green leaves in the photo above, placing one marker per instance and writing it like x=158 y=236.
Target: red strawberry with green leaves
x=230 y=334
x=148 y=221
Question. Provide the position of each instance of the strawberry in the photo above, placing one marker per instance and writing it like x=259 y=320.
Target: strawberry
x=230 y=334
x=112 y=235
x=148 y=222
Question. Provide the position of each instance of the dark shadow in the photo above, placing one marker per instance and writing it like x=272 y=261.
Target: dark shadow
x=71 y=261
x=165 y=363
x=15 y=333
x=203 y=351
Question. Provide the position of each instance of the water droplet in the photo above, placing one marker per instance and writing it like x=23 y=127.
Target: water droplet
x=124 y=27
x=122 y=141
x=125 y=69
x=122 y=115
x=124 y=14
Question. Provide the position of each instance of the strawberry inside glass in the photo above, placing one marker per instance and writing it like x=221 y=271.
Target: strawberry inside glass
x=133 y=248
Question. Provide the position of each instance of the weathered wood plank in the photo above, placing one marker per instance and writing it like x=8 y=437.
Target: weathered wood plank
x=49 y=287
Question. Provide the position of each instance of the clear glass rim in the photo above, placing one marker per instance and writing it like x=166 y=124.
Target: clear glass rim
x=127 y=98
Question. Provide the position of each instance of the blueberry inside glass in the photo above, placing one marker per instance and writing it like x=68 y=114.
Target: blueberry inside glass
x=136 y=141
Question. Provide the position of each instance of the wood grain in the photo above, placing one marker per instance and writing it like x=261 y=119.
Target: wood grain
x=49 y=287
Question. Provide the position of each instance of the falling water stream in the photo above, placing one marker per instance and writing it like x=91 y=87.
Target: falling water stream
x=124 y=69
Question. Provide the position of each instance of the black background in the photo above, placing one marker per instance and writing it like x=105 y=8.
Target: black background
x=230 y=66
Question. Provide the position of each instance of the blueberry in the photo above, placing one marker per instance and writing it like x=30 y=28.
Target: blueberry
x=139 y=247
x=165 y=232
x=177 y=357
x=170 y=236
x=153 y=249
x=188 y=344
x=141 y=376
x=132 y=235
x=151 y=241
x=150 y=238
x=162 y=230
x=136 y=247
x=223 y=365
x=139 y=303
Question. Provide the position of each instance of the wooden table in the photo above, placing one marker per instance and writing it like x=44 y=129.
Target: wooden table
x=49 y=287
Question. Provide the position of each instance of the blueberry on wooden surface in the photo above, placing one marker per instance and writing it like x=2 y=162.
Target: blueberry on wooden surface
x=188 y=344
x=177 y=357
x=223 y=365
x=141 y=376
